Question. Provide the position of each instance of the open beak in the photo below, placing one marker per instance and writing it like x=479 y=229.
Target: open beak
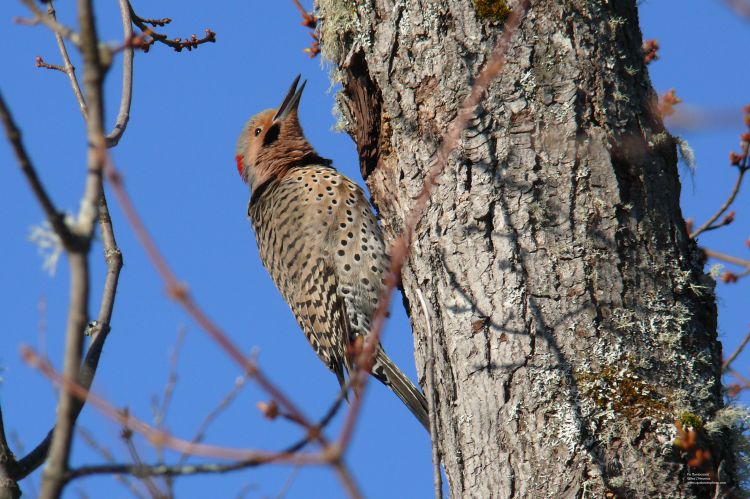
x=291 y=101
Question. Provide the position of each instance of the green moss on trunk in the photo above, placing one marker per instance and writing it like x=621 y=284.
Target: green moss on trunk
x=494 y=10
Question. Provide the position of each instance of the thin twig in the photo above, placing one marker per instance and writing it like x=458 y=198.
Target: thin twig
x=178 y=44
x=740 y=377
x=724 y=207
x=113 y=259
x=93 y=82
x=347 y=480
x=432 y=400
x=737 y=351
x=42 y=325
x=27 y=168
x=160 y=413
x=288 y=483
x=56 y=446
x=5 y=453
x=36 y=457
x=154 y=435
x=52 y=24
x=89 y=440
x=182 y=470
x=40 y=63
x=112 y=254
x=162 y=408
x=726 y=258
x=194 y=469
x=200 y=434
x=18 y=444
x=245 y=489
x=126 y=95
x=127 y=436
x=8 y=485
x=400 y=248
x=742 y=162
x=100 y=332
x=67 y=66
x=68 y=407
x=239 y=384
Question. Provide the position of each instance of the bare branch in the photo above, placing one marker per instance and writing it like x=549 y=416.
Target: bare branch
x=708 y=224
x=127 y=436
x=89 y=440
x=40 y=63
x=727 y=363
x=113 y=258
x=126 y=96
x=347 y=480
x=178 y=44
x=210 y=468
x=288 y=483
x=727 y=258
x=93 y=82
x=245 y=458
x=51 y=23
x=68 y=407
x=24 y=161
x=5 y=452
x=162 y=408
x=171 y=470
x=162 y=469
x=742 y=162
x=77 y=246
x=200 y=434
x=36 y=457
x=67 y=67
x=154 y=435
x=8 y=486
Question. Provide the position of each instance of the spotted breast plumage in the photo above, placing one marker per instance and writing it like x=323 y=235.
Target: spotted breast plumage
x=320 y=242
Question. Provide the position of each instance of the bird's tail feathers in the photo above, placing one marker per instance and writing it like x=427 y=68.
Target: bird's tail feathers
x=390 y=375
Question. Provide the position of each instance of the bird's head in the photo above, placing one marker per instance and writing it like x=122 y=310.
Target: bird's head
x=272 y=141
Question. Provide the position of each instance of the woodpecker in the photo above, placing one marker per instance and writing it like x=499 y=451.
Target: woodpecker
x=318 y=239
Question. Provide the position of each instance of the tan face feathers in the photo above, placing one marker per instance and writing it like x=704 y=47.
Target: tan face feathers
x=272 y=141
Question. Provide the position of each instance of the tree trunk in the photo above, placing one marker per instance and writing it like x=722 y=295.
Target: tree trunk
x=571 y=318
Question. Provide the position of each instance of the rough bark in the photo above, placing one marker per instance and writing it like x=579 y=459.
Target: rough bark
x=572 y=319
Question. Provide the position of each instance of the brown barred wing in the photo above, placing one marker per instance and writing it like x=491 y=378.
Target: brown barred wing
x=321 y=314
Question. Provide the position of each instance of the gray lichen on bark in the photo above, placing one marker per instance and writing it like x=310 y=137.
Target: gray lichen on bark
x=572 y=317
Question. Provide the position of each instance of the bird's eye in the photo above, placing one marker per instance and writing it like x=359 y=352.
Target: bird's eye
x=257 y=131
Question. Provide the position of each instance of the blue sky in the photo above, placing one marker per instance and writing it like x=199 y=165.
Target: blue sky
x=177 y=159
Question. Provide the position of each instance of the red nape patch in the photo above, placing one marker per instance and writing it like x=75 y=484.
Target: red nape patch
x=239 y=159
